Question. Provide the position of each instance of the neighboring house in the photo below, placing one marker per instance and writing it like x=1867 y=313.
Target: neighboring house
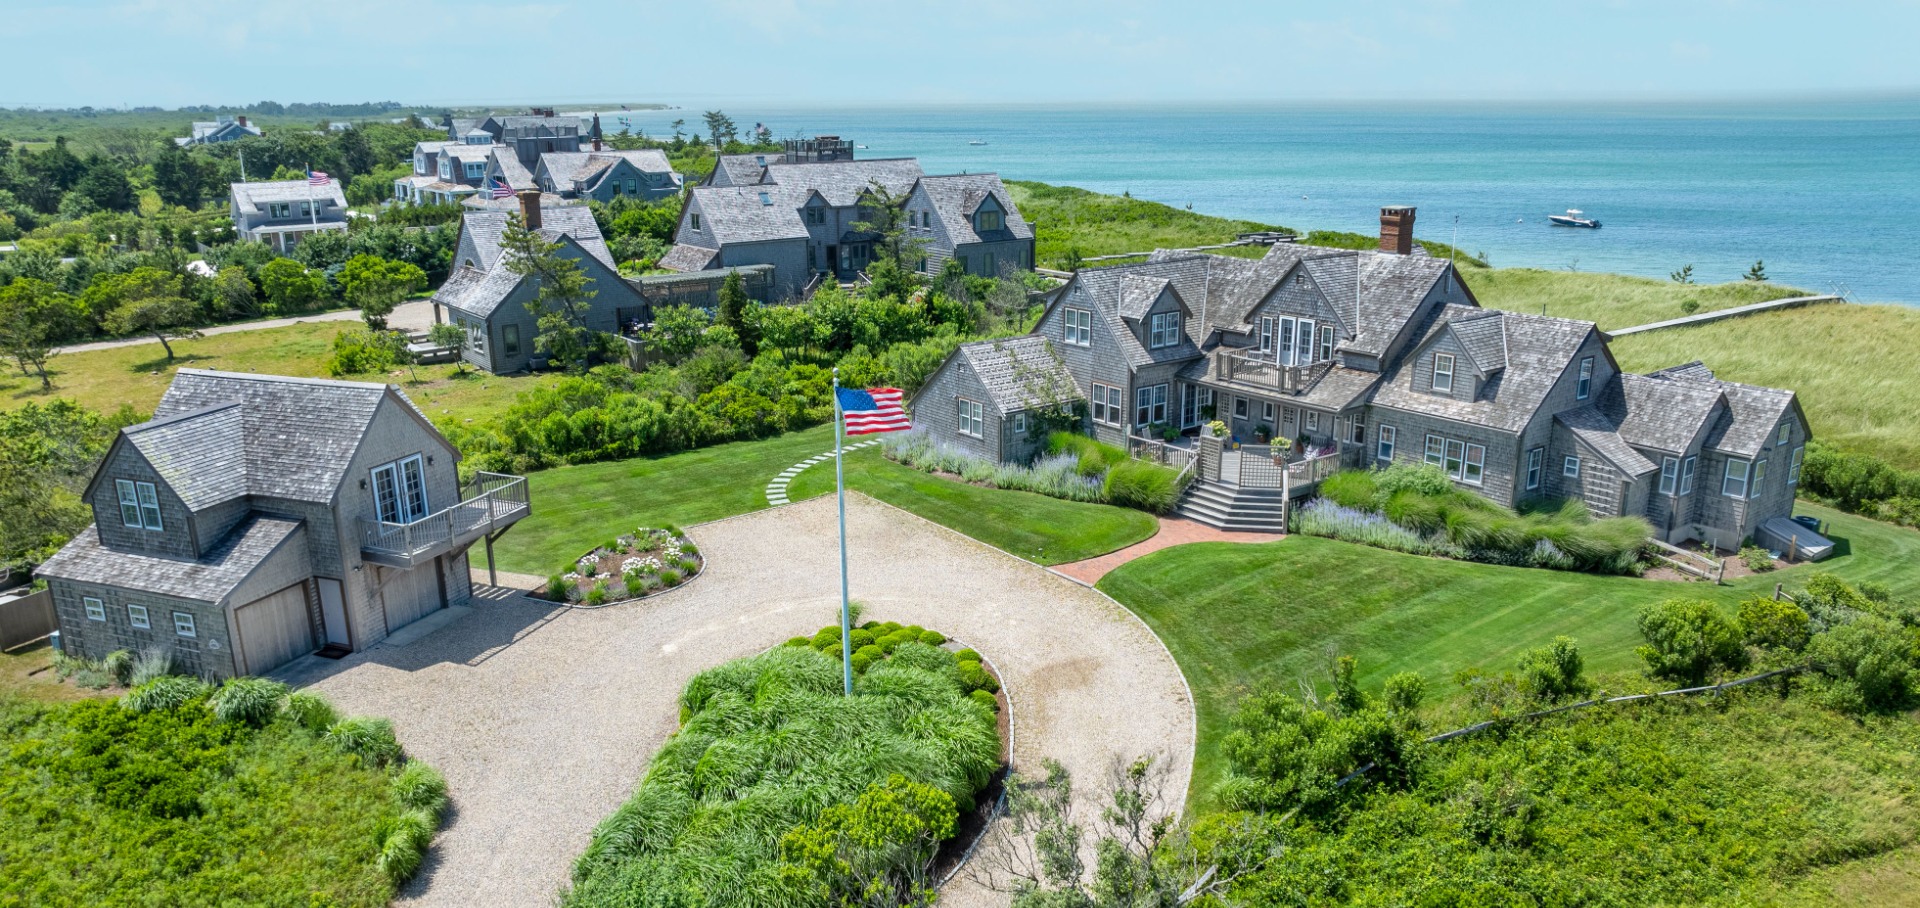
x=563 y=156
x=224 y=129
x=1376 y=357
x=802 y=218
x=747 y=169
x=257 y=518
x=605 y=175
x=486 y=299
x=989 y=397
x=281 y=213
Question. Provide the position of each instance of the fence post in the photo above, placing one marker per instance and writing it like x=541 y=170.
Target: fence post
x=1777 y=590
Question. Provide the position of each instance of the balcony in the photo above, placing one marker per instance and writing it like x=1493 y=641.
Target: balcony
x=498 y=501
x=1265 y=374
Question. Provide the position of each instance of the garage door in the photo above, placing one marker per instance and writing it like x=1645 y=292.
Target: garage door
x=274 y=630
x=410 y=594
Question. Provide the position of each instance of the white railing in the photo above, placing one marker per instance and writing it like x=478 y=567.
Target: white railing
x=500 y=499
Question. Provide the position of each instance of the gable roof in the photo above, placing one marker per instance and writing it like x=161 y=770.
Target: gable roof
x=684 y=257
x=299 y=434
x=485 y=226
x=1016 y=370
x=206 y=579
x=1752 y=414
x=736 y=214
x=200 y=453
x=1484 y=338
x=259 y=195
x=1599 y=432
x=1105 y=291
x=842 y=182
x=957 y=196
x=1539 y=350
x=1138 y=292
x=1661 y=415
x=739 y=169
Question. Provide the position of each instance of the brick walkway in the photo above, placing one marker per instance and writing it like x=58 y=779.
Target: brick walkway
x=1173 y=531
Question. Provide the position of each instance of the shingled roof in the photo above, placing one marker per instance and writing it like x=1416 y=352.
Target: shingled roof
x=259 y=195
x=739 y=169
x=1659 y=414
x=957 y=196
x=1017 y=371
x=485 y=227
x=207 y=579
x=684 y=257
x=842 y=182
x=1539 y=349
x=1485 y=339
x=750 y=214
x=200 y=453
x=1111 y=292
x=1601 y=433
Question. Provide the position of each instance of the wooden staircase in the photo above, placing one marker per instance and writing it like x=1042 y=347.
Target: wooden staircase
x=1239 y=508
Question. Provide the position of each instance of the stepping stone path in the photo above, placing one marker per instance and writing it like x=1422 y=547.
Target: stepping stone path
x=777 y=489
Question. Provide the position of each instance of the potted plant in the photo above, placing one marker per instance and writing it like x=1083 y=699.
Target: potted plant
x=1218 y=428
x=1208 y=411
x=1262 y=433
x=1168 y=432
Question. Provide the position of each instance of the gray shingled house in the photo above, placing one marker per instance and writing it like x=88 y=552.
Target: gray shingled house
x=1374 y=357
x=256 y=519
x=988 y=397
x=280 y=213
x=802 y=219
x=602 y=175
x=484 y=297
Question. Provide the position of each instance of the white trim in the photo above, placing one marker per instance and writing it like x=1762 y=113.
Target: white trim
x=1727 y=479
x=184 y=628
x=1383 y=448
x=1583 y=389
x=96 y=610
x=1536 y=467
x=1473 y=470
x=1570 y=467
x=1669 y=475
x=972 y=418
x=1759 y=477
x=1793 y=467
x=1434 y=379
x=138 y=616
x=1687 y=469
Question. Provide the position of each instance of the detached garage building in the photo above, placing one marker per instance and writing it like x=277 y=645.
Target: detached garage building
x=258 y=518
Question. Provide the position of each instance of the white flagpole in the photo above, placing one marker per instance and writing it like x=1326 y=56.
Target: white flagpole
x=840 y=490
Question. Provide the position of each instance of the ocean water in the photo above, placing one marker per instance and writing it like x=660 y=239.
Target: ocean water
x=1827 y=193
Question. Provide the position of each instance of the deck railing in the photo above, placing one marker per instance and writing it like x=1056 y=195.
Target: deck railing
x=1254 y=370
x=498 y=500
x=1157 y=451
x=1311 y=470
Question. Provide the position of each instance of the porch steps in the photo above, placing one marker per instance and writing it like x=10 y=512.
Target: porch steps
x=1226 y=507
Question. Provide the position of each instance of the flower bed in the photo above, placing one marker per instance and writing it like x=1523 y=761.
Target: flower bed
x=652 y=560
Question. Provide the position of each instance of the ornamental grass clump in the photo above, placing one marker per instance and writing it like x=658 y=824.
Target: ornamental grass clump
x=371 y=740
x=248 y=701
x=1143 y=486
x=770 y=749
x=165 y=692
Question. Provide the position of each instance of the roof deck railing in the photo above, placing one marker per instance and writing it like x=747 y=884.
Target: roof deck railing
x=497 y=502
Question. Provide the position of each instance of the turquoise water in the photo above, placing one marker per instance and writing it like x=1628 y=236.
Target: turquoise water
x=1827 y=193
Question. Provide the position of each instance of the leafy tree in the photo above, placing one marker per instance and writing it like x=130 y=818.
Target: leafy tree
x=564 y=296
x=230 y=293
x=47 y=455
x=677 y=330
x=448 y=334
x=376 y=286
x=180 y=178
x=1688 y=640
x=163 y=317
x=289 y=287
x=721 y=128
x=34 y=317
x=105 y=185
x=1757 y=273
x=733 y=309
x=1553 y=672
x=898 y=253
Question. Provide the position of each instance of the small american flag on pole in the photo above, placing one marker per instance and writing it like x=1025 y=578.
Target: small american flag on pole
x=873 y=410
x=318 y=178
x=501 y=190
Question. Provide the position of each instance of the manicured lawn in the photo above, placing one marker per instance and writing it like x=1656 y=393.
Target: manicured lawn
x=577 y=508
x=1244 y=617
x=1610 y=300
x=1040 y=529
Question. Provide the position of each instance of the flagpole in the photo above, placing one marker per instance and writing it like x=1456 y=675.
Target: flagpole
x=840 y=491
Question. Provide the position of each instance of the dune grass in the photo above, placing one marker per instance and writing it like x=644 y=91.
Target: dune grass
x=1069 y=218
x=1609 y=300
x=1240 y=618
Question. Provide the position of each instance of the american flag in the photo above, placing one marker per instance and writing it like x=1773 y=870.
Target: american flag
x=318 y=178
x=873 y=410
x=501 y=190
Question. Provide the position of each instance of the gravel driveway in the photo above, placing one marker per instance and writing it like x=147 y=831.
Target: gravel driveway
x=543 y=719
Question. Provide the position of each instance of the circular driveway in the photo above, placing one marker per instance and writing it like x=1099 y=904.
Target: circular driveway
x=543 y=719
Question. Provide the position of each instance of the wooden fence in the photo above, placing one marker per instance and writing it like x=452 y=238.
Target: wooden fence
x=1693 y=563
x=26 y=620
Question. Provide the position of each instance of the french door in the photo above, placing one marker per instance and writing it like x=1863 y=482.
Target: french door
x=400 y=490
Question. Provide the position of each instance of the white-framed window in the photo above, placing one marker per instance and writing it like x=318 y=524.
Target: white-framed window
x=1077 y=327
x=1436 y=450
x=1165 y=329
x=1669 y=475
x=1020 y=422
x=400 y=490
x=1292 y=340
x=1474 y=470
x=139 y=504
x=1266 y=334
x=1266 y=411
x=1785 y=434
x=694 y=221
x=1759 y=477
x=1570 y=468
x=1326 y=343
x=1357 y=431
x=476 y=169
x=1116 y=404
x=96 y=610
x=1104 y=408
x=1536 y=461
x=280 y=210
x=1456 y=457
x=1686 y=474
x=1734 y=483
x=1385 y=451
x=1150 y=405
x=1793 y=466
x=1239 y=408
x=1313 y=420
x=1443 y=372
x=1586 y=379
x=972 y=418
x=137 y=616
x=183 y=625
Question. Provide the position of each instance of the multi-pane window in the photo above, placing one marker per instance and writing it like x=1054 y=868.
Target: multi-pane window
x=1436 y=449
x=1686 y=474
x=1326 y=343
x=475 y=169
x=1443 y=372
x=1586 y=379
x=1266 y=411
x=1759 y=476
x=183 y=625
x=694 y=220
x=1785 y=433
x=139 y=504
x=1020 y=422
x=1669 y=475
x=1266 y=334
x=1150 y=405
x=1473 y=470
x=972 y=418
x=1357 y=431
x=1570 y=468
x=816 y=215
x=1077 y=327
x=1239 y=408
x=400 y=490
x=1734 y=483
x=1456 y=452
x=137 y=616
x=1386 y=443
x=1106 y=408
x=1165 y=329
x=989 y=220
x=1536 y=460
x=1291 y=339
x=1793 y=467
x=96 y=610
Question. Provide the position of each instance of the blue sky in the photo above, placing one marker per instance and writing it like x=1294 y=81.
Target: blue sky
x=170 y=52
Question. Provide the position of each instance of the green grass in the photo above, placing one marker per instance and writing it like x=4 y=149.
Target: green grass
x=1609 y=300
x=1854 y=367
x=1035 y=527
x=1239 y=618
x=1065 y=217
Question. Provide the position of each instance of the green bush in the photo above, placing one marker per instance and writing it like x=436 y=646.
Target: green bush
x=975 y=677
x=119 y=666
x=932 y=638
x=559 y=588
x=967 y=655
x=600 y=593
x=825 y=637
x=1688 y=640
x=1284 y=754
x=1871 y=663
x=249 y=701
x=861 y=638
x=1144 y=486
x=420 y=787
x=371 y=740
x=311 y=712
x=1093 y=456
x=872 y=652
x=984 y=699
x=1553 y=672
x=151 y=664
x=1773 y=624
x=358 y=351
x=799 y=641
x=1404 y=692
x=404 y=842
x=165 y=692
x=1757 y=559
x=860 y=662
x=1352 y=489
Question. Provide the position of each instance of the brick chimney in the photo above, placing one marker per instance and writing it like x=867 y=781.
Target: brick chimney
x=529 y=208
x=242 y=120
x=1396 y=229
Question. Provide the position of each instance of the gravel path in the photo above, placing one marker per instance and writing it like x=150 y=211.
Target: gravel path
x=543 y=718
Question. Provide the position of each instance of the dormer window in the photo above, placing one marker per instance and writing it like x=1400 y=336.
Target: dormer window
x=816 y=215
x=695 y=220
x=1586 y=379
x=989 y=220
x=1165 y=330
x=1443 y=372
x=139 y=505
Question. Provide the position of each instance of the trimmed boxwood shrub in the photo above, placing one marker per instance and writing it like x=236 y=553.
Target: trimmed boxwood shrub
x=861 y=638
x=932 y=638
x=974 y=677
x=967 y=655
x=984 y=699
x=799 y=641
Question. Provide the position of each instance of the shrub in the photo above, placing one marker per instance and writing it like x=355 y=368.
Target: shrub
x=1871 y=664
x=688 y=566
x=165 y=692
x=872 y=652
x=1283 y=753
x=799 y=641
x=559 y=588
x=119 y=665
x=1688 y=640
x=357 y=351
x=967 y=655
x=1773 y=624
x=1425 y=479
x=671 y=578
x=860 y=662
x=1143 y=486
x=1091 y=456
x=311 y=712
x=1553 y=672
x=825 y=637
x=932 y=638
x=1323 y=517
x=1757 y=559
x=1404 y=691
x=984 y=699
x=599 y=594
x=403 y=843
x=371 y=740
x=974 y=677
x=1352 y=489
x=248 y=701
x=418 y=786
x=861 y=638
